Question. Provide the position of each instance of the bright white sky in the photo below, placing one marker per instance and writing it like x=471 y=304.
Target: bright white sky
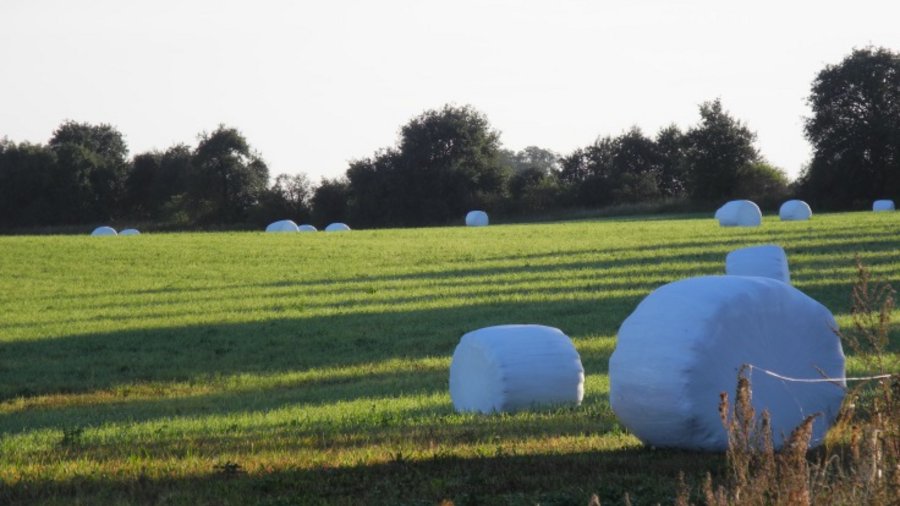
x=315 y=84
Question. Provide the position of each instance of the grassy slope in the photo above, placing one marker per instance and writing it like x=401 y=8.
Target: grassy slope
x=139 y=369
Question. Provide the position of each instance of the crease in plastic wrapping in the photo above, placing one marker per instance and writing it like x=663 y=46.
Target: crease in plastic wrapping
x=686 y=342
x=510 y=368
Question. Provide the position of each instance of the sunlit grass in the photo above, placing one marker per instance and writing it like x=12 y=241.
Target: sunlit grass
x=244 y=367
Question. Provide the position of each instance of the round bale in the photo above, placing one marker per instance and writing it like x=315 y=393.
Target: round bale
x=769 y=261
x=306 y=228
x=282 y=226
x=476 y=219
x=514 y=367
x=686 y=342
x=794 y=210
x=337 y=227
x=739 y=213
x=883 y=205
x=130 y=231
x=103 y=231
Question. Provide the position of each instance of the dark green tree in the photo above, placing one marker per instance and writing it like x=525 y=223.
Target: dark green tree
x=855 y=130
x=671 y=146
x=228 y=177
x=26 y=178
x=718 y=150
x=90 y=171
x=156 y=181
x=289 y=197
x=330 y=202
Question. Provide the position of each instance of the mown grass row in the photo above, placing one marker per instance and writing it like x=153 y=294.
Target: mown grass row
x=248 y=367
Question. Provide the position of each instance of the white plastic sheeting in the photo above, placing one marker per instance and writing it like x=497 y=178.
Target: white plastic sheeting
x=739 y=213
x=282 y=226
x=99 y=231
x=769 y=261
x=883 y=205
x=476 y=219
x=306 y=228
x=514 y=367
x=795 y=210
x=337 y=227
x=686 y=341
x=130 y=231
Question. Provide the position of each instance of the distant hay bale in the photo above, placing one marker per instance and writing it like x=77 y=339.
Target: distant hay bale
x=130 y=231
x=739 y=213
x=883 y=205
x=337 y=227
x=769 y=261
x=686 y=342
x=515 y=367
x=477 y=219
x=282 y=226
x=794 y=210
x=102 y=231
x=306 y=228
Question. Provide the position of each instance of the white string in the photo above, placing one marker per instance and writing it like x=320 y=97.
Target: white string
x=817 y=380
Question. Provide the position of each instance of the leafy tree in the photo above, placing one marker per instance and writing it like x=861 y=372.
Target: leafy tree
x=330 y=201
x=90 y=171
x=155 y=179
x=855 y=130
x=671 y=146
x=26 y=175
x=765 y=184
x=718 y=150
x=228 y=177
x=289 y=197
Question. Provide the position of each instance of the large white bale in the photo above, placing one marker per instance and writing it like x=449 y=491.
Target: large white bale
x=306 y=228
x=514 y=367
x=337 y=227
x=282 y=226
x=686 y=342
x=101 y=231
x=769 y=261
x=476 y=219
x=739 y=213
x=883 y=205
x=130 y=231
x=794 y=210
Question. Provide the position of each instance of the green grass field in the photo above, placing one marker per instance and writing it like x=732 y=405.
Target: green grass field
x=240 y=368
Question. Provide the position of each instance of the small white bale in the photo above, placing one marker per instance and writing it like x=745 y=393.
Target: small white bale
x=739 y=213
x=686 y=342
x=101 y=231
x=306 y=228
x=476 y=219
x=337 y=227
x=883 y=205
x=515 y=367
x=282 y=226
x=769 y=261
x=130 y=231
x=794 y=210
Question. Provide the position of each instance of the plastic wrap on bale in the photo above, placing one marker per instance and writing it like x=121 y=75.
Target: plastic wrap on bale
x=103 y=231
x=686 y=342
x=514 y=367
x=476 y=219
x=337 y=227
x=794 y=210
x=739 y=213
x=883 y=205
x=768 y=261
x=282 y=226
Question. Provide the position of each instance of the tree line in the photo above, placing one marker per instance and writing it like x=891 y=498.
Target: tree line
x=450 y=160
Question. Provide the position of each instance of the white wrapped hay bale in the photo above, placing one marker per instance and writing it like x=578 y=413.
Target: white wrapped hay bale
x=514 y=367
x=794 y=210
x=337 y=227
x=282 y=226
x=130 y=231
x=883 y=205
x=769 y=261
x=102 y=231
x=739 y=213
x=686 y=341
x=476 y=219
x=306 y=228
